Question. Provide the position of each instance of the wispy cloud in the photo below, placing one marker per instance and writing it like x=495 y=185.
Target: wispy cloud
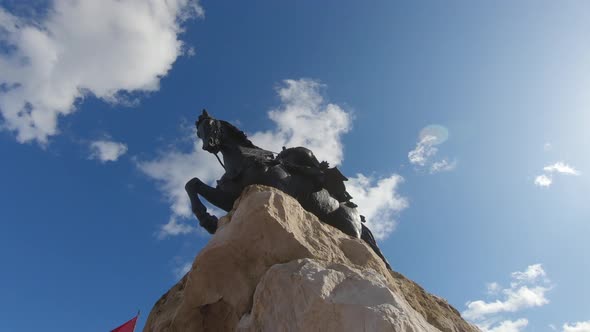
x=506 y=326
x=547 y=146
x=546 y=180
x=561 y=167
x=442 y=166
x=527 y=290
x=81 y=48
x=531 y=274
x=577 y=327
x=173 y=228
x=493 y=288
x=422 y=156
x=423 y=151
x=182 y=269
x=514 y=300
x=107 y=150
x=303 y=118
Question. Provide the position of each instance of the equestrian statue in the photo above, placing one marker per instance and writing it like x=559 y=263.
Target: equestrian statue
x=296 y=171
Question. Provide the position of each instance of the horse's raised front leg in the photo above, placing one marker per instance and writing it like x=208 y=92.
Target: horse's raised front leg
x=196 y=187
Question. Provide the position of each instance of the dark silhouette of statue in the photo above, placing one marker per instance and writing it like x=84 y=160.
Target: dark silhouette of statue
x=296 y=171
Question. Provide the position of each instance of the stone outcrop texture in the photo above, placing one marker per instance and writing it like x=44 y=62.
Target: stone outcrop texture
x=272 y=266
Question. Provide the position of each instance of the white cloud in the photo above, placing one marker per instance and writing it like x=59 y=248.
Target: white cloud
x=493 y=288
x=561 y=167
x=577 y=327
x=543 y=180
x=532 y=274
x=302 y=119
x=423 y=151
x=106 y=150
x=173 y=228
x=442 y=166
x=305 y=119
x=514 y=300
x=506 y=326
x=378 y=201
x=527 y=290
x=81 y=48
x=423 y=154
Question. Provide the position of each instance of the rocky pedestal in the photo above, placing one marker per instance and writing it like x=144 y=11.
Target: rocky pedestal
x=272 y=266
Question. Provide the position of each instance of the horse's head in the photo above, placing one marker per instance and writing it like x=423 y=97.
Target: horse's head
x=217 y=134
x=209 y=131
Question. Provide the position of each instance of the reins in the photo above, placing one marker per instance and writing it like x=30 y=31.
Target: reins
x=221 y=163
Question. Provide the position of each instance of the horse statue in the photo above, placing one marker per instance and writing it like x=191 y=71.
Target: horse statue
x=296 y=171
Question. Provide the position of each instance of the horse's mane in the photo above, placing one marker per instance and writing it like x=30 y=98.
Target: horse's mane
x=238 y=134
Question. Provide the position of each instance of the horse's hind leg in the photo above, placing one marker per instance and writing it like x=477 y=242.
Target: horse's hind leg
x=346 y=219
x=332 y=212
x=367 y=236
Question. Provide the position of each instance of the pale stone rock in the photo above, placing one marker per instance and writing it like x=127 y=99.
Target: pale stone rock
x=310 y=295
x=235 y=281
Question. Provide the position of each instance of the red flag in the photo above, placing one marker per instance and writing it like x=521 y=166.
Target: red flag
x=127 y=327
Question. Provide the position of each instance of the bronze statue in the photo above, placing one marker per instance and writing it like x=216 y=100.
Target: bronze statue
x=296 y=171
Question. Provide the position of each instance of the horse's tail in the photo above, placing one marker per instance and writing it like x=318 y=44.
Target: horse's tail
x=367 y=236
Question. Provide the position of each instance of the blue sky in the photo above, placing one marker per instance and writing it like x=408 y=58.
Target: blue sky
x=465 y=123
